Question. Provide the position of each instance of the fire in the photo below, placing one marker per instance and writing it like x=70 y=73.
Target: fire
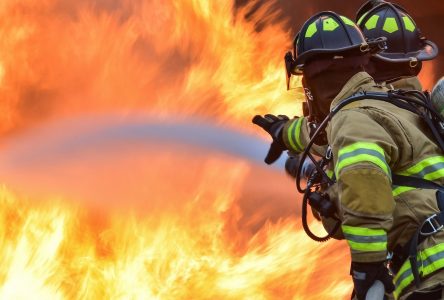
x=192 y=235
x=157 y=221
x=62 y=251
x=428 y=75
x=168 y=58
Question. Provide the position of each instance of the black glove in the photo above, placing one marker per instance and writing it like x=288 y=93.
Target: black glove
x=365 y=274
x=274 y=125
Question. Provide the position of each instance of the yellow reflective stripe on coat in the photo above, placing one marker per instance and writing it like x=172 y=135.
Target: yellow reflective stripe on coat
x=398 y=190
x=365 y=239
x=362 y=152
x=431 y=168
x=294 y=135
x=429 y=261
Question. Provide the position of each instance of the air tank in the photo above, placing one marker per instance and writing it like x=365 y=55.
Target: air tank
x=438 y=96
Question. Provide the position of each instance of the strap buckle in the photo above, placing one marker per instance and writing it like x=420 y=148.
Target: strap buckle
x=329 y=153
x=434 y=225
x=413 y=62
x=364 y=47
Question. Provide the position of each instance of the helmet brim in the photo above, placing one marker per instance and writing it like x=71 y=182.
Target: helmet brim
x=428 y=52
x=369 y=47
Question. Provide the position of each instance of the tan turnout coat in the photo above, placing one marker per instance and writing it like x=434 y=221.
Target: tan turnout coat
x=371 y=140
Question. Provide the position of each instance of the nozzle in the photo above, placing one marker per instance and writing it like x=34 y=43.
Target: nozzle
x=292 y=164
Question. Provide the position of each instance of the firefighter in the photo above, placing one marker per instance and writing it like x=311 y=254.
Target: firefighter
x=397 y=67
x=370 y=141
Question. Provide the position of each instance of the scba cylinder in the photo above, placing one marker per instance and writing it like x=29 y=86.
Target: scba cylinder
x=438 y=96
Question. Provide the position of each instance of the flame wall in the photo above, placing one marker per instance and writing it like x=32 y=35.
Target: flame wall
x=111 y=216
x=169 y=58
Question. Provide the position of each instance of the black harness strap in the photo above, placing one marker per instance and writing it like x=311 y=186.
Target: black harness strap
x=430 y=226
x=416 y=182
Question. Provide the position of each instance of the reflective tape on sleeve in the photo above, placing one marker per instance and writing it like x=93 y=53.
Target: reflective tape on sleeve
x=365 y=239
x=362 y=152
x=294 y=135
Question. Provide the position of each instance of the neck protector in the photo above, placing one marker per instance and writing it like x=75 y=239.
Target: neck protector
x=383 y=71
x=324 y=79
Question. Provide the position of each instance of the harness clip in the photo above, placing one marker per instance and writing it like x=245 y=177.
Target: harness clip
x=434 y=224
x=364 y=47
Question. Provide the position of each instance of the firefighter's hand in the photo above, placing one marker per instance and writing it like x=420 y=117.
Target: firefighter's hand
x=274 y=125
x=365 y=274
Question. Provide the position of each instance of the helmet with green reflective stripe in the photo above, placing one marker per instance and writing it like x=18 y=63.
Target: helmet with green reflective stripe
x=329 y=35
x=405 y=42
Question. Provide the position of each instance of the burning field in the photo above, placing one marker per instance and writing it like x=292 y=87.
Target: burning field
x=128 y=162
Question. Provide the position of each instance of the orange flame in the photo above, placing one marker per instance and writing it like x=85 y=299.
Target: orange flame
x=205 y=228
x=197 y=247
x=170 y=58
x=428 y=75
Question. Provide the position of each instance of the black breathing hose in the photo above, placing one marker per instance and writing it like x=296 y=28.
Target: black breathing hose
x=397 y=98
x=305 y=222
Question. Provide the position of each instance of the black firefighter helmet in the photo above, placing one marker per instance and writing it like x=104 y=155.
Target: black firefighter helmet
x=405 y=43
x=328 y=35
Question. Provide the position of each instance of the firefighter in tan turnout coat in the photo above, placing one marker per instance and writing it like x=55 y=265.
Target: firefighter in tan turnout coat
x=372 y=142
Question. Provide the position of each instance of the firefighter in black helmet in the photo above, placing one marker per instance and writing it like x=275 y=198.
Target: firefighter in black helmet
x=396 y=67
x=374 y=18
x=338 y=45
x=370 y=140
x=406 y=49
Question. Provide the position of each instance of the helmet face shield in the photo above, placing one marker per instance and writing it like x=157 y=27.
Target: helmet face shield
x=288 y=60
x=293 y=82
x=292 y=72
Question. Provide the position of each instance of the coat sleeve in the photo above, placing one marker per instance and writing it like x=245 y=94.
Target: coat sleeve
x=363 y=153
x=296 y=137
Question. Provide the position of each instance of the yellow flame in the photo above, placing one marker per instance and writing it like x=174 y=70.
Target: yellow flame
x=52 y=251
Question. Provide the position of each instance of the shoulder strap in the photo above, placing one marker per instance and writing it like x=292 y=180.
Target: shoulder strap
x=416 y=102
